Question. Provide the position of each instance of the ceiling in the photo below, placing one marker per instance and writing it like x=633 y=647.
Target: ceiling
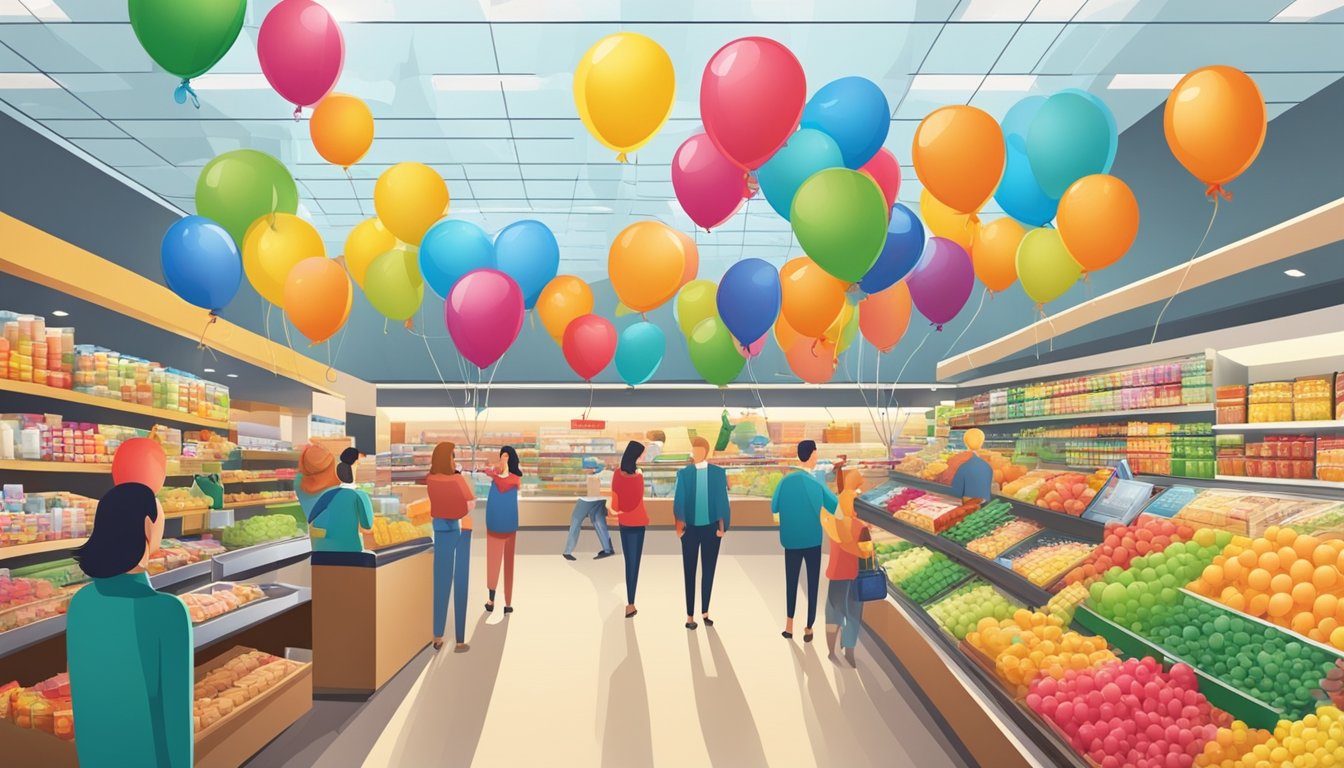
x=513 y=147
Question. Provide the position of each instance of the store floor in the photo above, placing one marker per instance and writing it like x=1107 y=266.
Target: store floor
x=567 y=681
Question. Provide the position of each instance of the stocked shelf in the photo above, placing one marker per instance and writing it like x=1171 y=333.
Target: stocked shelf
x=1282 y=426
x=1277 y=481
x=40 y=547
x=260 y=455
x=258 y=503
x=272 y=554
x=279 y=598
x=1074 y=526
x=1171 y=410
x=81 y=398
x=28 y=465
x=181 y=575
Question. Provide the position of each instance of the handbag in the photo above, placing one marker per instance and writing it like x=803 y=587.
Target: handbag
x=871 y=582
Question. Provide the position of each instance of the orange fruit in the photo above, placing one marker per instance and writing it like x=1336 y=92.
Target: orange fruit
x=1285 y=537
x=1324 y=554
x=1281 y=582
x=1304 y=594
x=1213 y=574
x=1301 y=570
x=1270 y=561
x=1257 y=605
x=1337 y=638
x=1279 y=605
x=1259 y=579
x=1249 y=558
x=1287 y=555
x=1324 y=577
x=1325 y=606
x=1303 y=623
x=1235 y=601
x=1327 y=625
x=1234 y=571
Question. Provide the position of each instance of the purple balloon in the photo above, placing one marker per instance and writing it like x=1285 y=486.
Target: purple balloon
x=484 y=313
x=942 y=281
x=708 y=185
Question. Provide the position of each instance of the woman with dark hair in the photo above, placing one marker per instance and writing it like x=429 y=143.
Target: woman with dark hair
x=128 y=647
x=501 y=524
x=627 y=504
x=450 y=503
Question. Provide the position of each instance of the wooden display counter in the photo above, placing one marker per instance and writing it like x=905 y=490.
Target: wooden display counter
x=372 y=613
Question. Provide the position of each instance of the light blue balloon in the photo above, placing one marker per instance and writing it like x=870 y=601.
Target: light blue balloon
x=639 y=352
x=201 y=263
x=527 y=251
x=1018 y=194
x=451 y=249
x=1072 y=135
x=806 y=152
x=854 y=112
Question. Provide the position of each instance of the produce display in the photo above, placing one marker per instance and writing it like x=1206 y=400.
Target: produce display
x=1064 y=603
x=258 y=530
x=258 y=497
x=905 y=564
x=888 y=550
x=220 y=598
x=1071 y=492
x=25 y=600
x=1003 y=538
x=980 y=522
x=1122 y=543
x=1312 y=741
x=1028 y=487
x=1032 y=643
x=388 y=532
x=1047 y=557
x=179 y=500
x=1141 y=596
x=961 y=610
x=902 y=497
x=1246 y=514
x=932 y=513
x=933 y=579
x=44 y=707
x=231 y=685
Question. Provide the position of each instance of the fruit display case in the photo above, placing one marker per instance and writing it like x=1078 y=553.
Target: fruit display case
x=270 y=600
x=239 y=563
x=1081 y=527
x=374 y=558
x=1045 y=557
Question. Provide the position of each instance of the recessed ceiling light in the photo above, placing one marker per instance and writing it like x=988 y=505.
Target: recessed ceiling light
x=1294 y=273
x=59 y=313
x=1145 y=82
x=1305 y=10
x=231 y=375
x=486 y=82
x=208 y=370
x=26 y=81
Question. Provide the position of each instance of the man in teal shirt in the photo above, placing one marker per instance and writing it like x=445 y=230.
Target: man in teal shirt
x=797 y=505
x=700 y=505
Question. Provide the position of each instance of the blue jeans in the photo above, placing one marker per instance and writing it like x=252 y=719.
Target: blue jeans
x=592 y=510
x=632 y=541
x=452 y=568
x=844 y=610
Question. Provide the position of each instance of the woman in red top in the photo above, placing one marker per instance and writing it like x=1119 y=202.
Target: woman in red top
x=627 y=505
x=850 y=542
x=450 y=503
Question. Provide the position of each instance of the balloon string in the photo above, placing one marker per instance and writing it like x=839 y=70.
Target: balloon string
x=1190 y=262
x=1036 y=331
x=968 y=325
x=294 y=356
x=200 y=344
x=589 y=409
x=184 y=91
x=903 y=367
x=353 y=190
x=270 y=349
x=1215 y=190
x=756 y=387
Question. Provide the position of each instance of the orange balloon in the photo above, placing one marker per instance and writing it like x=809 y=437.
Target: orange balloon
x=812 y=360
x=692 y=267
x=884 y=316
x=1098 y=220
x=563 y=299
x=342 y=129
x=785 y=335
x=811 y=297
x=1215 y=123
x=140 y=460
x=946 y=223
x=317 y=298
x=994 y=253
x=959 y=156
x=646 y=263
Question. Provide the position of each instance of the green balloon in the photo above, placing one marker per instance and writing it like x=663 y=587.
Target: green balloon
x=1044 y=266
x=714 y=352
x=239 y=187
x=187 y=38
x=393 y=283
x=840 y=218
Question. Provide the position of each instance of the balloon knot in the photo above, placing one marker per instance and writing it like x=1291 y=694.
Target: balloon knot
x=620 y=157
x=749 y=186
x=410 y=324
x=1087 y=277
x=298 y=114
x=1215 y=190
x=938 y=327
x=973 y=218
x=183 y=91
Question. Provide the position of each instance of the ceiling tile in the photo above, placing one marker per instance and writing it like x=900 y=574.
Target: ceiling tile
x=968 y=48
x=45 y=103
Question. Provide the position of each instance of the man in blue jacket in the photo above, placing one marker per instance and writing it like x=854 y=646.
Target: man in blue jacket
x=799 y=500
x=700 y=504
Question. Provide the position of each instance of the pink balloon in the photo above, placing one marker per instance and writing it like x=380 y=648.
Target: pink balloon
x=751 y=99
x=301 y=51
x=756 y=347
x=589 y=345
x=484 y=314
x=942 y=281
x=812 y=360
x=707 y=184
x=886 y=171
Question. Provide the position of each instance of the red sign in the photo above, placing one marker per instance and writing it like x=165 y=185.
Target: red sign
x=587 y=424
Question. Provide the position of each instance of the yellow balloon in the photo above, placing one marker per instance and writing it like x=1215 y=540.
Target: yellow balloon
x=696 y=301
x=272 y=246
x=624 y=88
x=944 y=222
x=1044 y=266
x=366 y=242
x=409 y=198
x=645 y=264
x=563 y=299
x=844 y=328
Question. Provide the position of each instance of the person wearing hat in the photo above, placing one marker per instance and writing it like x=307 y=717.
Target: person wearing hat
x=339 y=513
x=593 y=507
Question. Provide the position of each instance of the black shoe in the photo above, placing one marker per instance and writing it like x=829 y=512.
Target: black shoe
x=631 y=614
x=807 y=635
x=570 y=557
x=489 y=607
x=690 y=625
x=787 y=635
x=508 y=609
x=708 y=621
x=601 y=555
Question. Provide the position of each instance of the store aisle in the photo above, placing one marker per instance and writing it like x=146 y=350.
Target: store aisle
x=566 y=680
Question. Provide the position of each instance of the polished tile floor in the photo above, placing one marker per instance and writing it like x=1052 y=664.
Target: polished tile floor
x=567 y=681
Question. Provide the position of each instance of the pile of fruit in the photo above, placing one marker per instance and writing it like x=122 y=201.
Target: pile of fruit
x=1289 y=579
x=1004 y=470
x=24 y=601
x=1122 y=543
x=387 y=533
x=905 y=564
x=1140 y=596
x=1130 y=714
x=1231 y=744
x=1032 y=643
x=980 y=522
x=961 y=611
x=1065 y=602
x=888 y=550
x=1026 y=487
x=933 y=579
x=902 y=497
x=1003 y=538
x=1071 y=492
x=1315 y=740
x=1049 y=558
x=258 y=530
x=178 y=500
x=932 y=513
x=239 y=680
x=44 y=707
x=219 y=599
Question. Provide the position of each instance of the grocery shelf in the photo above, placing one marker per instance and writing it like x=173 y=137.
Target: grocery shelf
x=180 y=575
x=258 y=503
x=1305 y=483
x=1282 y=426
x=26 y=465
x=1089 y=530
x=279 y=598
x=1170 y=410
x=272 y=554
x=1323 y=489
x=71 y=396
x=40 y=547
x=259 y=455
x=30 y=634
x=257 y=481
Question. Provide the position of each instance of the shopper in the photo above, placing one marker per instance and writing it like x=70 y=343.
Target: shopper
x=501 y=524
x=798 y=499
x=335 y=514
x=627 y=504
x=345 y=471
x=654 y=449
x=590 y=506
x=703 y=516
x=128 y=647
x=451 y=501
x=850 y=542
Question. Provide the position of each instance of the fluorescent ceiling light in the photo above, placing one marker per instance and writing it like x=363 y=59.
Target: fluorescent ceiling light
x=1294 y=273
x=24 y=81
x=223 y=81
x=42 y=10
x=997 y=10
x=1144 y=82
x=486 y=82
x=231 y=375
x=1306 y=10
x=1008 y=83
x=925 y=82
x=59 y=313
x=208 y=370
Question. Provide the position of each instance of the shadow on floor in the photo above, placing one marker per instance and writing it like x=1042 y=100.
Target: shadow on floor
x=729 y=729
x=627 y=736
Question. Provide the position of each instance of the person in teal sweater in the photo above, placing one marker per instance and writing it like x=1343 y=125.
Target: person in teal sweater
x=128 y=647
x=797 y=505
x=703 y=516
x=338 y=513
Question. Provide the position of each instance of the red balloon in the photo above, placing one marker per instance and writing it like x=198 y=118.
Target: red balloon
x=301 y=51
x=140 y=460
x=812 y=360
x=751 y=99
x=589 y=345
x=886 y=171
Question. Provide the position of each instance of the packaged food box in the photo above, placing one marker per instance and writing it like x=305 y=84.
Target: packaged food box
x=1330 y=459
x=1270 y=392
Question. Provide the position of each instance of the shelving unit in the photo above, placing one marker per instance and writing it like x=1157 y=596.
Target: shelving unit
x=260 y=503
x=40 y=547
x=257 y=455
x=28 y=465
x=1283 y=426
x=81 y=398
x=1173 y=410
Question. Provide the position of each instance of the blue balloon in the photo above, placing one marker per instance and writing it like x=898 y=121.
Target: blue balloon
x=748 y=299
x=1072 y=135
x=854 y=112
x=639 y=352
x=527 y=251
x=806 y=152
x=201 y=262
x=1018 y=194
x=451 y=249
x=900 y=254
